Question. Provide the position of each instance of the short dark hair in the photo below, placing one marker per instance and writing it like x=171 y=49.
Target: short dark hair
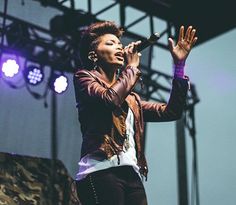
x=89 y=39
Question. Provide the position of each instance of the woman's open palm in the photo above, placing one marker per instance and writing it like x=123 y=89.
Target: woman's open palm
x=184 y=45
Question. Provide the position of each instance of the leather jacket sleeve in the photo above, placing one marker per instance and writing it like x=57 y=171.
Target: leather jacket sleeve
x=161 y=112
x=90 y=88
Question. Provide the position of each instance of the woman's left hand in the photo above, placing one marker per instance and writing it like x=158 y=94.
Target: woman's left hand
x=184 y=45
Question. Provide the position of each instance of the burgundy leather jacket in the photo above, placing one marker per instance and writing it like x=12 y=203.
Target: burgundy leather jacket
x=102 y=110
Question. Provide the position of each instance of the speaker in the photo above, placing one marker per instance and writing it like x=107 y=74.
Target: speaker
x=26 y=180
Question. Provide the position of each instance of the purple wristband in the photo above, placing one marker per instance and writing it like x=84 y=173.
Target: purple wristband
x=179 y=71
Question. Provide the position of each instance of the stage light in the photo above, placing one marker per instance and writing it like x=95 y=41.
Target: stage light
x=58 y=83
x=10 y=68
x=33 y=74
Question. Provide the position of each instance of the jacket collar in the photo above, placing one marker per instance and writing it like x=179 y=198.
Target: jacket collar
x=100 y=77
x=128 y=99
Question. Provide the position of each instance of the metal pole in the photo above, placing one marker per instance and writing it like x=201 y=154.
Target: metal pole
x=53 y=146
x=54 y=127
x=181 y=163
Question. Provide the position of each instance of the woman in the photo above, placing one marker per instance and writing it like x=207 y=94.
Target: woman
x=111 y=115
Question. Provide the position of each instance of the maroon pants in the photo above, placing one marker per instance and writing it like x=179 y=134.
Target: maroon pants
x=113 y=186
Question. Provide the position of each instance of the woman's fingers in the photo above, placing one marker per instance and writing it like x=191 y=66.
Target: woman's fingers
x=181 y=33
x=194 y=41
x=131 y=53
x=136 y=46
x=188 y=34
x=192 y=35
x=132 y=47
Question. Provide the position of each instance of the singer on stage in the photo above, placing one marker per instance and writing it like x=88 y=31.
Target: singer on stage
x=112 y=116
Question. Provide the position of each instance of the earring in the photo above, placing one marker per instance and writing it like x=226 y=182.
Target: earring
x=95 y=65
x=92 y=56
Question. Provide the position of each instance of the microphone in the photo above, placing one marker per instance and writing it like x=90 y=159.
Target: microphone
x=148 y=42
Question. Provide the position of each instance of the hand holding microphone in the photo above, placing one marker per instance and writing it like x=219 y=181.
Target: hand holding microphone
x=132 y=51
x=131 y=54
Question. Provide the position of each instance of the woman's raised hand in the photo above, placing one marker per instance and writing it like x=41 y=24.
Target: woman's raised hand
x=184 y=45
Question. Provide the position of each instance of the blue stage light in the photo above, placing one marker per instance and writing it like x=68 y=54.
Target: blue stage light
x=33 y=75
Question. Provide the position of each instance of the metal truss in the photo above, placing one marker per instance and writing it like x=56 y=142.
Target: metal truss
x=59 y=52
x=69 y=5
x=38 y=44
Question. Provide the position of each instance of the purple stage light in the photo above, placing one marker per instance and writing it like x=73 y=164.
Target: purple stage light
x=10 y=68
x=60 y=84
x=33 y=75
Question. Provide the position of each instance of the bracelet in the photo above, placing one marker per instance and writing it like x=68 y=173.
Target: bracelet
x=180 y=64
x=179 y=69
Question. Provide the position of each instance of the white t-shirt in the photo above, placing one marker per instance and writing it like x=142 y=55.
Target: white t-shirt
x=89 y=164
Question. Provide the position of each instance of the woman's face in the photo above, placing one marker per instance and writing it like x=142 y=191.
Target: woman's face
x=110 y=51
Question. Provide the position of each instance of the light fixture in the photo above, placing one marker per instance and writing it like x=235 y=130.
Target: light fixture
x=58 y=83
x=33 y=74
x=10 y=68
